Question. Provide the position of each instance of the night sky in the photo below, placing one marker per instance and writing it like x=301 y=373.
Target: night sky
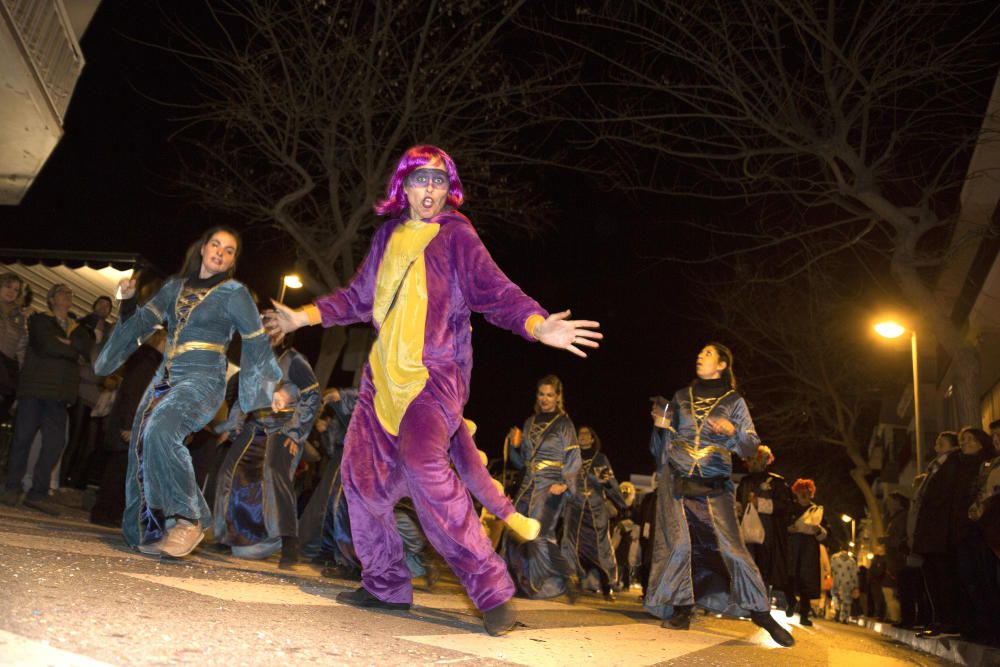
x=106 y=188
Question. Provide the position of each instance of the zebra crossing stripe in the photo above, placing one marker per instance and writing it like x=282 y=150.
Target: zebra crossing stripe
x=18 y=651
x=632 y=644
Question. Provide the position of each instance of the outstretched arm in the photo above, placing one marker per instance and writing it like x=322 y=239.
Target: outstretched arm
x=489 y=291
x=344 y=306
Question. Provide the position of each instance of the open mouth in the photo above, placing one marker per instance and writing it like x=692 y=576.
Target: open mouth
x=428 y=202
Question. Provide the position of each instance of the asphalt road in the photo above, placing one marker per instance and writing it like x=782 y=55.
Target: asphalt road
x=74 y=594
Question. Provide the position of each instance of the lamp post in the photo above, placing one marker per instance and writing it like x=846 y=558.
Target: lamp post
x=847 y=518
x=291 y=281
x=891 y=329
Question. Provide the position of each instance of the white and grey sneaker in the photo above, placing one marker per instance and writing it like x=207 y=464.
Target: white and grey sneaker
x=181 y=539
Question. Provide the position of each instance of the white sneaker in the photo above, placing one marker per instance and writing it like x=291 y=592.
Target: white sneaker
x=181 y=539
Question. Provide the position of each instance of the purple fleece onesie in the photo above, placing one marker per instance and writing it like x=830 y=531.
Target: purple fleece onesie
x=379 y=468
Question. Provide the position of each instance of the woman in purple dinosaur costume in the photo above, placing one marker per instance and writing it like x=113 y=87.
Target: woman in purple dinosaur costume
x=425 y=274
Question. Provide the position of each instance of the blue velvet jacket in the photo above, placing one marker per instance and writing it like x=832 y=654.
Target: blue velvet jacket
x=690 y=445
x=197 y=338
x=548 y=456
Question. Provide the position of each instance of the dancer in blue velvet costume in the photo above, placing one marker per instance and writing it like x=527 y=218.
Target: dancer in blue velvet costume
x=255 y=502
x=586 y=541
x=550 y=458
x=698 y=553
x=202 y=307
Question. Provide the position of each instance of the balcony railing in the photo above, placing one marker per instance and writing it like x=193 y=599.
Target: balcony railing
x=50 y=45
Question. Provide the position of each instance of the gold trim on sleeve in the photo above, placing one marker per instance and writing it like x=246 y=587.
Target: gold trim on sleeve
x=255 y=334
x=532 y=323
x=312 y=311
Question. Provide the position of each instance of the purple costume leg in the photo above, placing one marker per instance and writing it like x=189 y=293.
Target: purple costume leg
x=372 y=486
x=465 y=456
x=379 y=469
x=444 y=507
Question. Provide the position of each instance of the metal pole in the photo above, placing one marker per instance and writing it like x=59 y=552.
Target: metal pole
x=281 y=297
x=917 y=434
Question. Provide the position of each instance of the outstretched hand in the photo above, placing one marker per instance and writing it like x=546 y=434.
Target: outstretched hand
x=565 y=334
x=282 y=320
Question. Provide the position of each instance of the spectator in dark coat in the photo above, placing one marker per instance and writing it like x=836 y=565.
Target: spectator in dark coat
x=896 y=506
x=137 y=373
x=12 y=330
x=768 y=492
x=647 y=529
x=977 y=566
x=85 y=428
x=804 y=535
x=934 y=535
x=47 y=385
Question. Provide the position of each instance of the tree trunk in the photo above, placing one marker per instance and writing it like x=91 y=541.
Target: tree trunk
x=859 y=475
x=330 y=348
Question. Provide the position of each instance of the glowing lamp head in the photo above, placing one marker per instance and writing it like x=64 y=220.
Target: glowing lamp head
x=846 y=518
x=293 y=281
x=889 y=329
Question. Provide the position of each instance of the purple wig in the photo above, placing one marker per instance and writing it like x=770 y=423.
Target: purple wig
x=415 y=157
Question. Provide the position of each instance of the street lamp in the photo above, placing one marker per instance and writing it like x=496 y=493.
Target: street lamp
x=892 y=329
x=847 y=518
x=291 y=281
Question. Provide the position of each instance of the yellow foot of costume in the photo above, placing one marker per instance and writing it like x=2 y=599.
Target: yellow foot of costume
x=524 y=528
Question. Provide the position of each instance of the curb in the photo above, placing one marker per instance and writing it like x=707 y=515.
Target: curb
x=954 y=649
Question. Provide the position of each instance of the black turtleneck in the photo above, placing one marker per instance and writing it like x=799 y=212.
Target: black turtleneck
x=710 y=388
x=201 y=283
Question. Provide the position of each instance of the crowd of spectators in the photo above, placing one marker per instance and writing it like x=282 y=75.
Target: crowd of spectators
x=942 y=548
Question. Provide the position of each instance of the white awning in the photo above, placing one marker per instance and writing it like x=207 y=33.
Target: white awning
x=89 y=274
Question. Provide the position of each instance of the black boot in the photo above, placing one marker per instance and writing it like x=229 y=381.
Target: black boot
x=362 y=598
x=790 y=609
x=778 y=633
x=500 y=620
x=289 y=552
x=681 y=620
x=804 y=611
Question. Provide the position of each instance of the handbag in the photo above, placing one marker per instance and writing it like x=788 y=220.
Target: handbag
x=751 y=527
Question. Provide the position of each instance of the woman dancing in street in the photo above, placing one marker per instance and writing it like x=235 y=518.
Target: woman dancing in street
x=550 y=458
x=587 y=523
x=425 y=274
x=256 y=511
x=165 y=511
x=698 y=554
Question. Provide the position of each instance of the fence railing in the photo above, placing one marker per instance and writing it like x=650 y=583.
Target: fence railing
x=50 y=44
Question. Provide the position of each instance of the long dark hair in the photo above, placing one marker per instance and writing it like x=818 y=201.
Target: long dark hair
x=192 y=259
x=726 y=355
